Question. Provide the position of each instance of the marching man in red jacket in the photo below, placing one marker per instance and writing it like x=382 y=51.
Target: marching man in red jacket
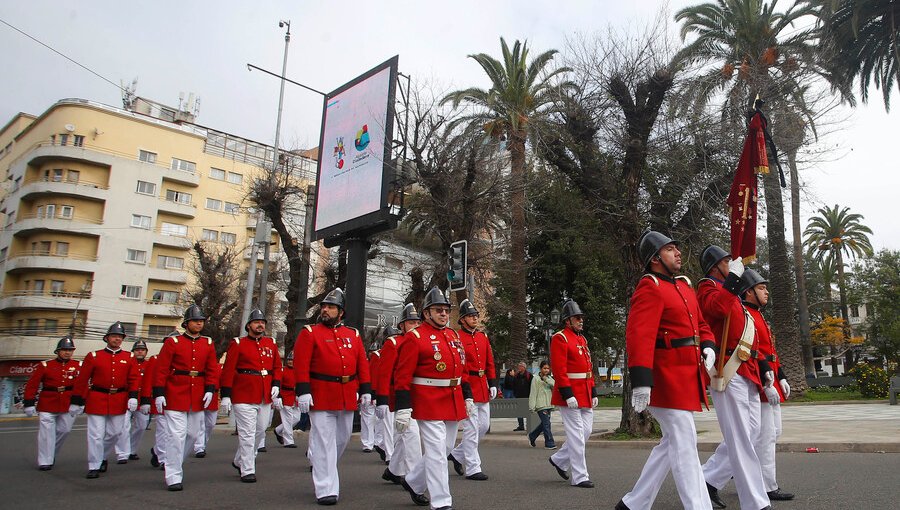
x=574 y=393
x=332 y=380
x=431 y=385
x=664 y=337
x=185 y=380
x=251 y=381
x=135 y=421
x=290 y=415
x=55 y=379
x=106 y=387
x=483 y=381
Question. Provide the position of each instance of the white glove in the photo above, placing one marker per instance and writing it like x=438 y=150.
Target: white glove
x=640 y=398
x=736 y=266
x=709 y=361
x=365 y=400
x=277 y=404
x=145 y=409
x=401 y=420
x=225 y=405
x=493 y=392
x=207 y=399
x=30 y=411
x=470 y=407
x=773 y=396
x=275 y=391
x=786 y=388
x=75 y=410
x=381 y=411
x=304 y=402
x=572 y=402
x=769 y=379
x=160 y=404
x=595 y=402
x=132 y=404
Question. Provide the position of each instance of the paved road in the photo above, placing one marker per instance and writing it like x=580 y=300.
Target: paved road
x=521 y=478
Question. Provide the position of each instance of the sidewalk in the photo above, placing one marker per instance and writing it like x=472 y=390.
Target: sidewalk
x=864 y=427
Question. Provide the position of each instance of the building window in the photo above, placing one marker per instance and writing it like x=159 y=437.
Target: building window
x=232 y=208
x=131 y=292
x=217 y=173
x=56 y=175
x=168 y=262
x=52 y=139
x=57 y=287
x=40 y=212
x=73 y=176
x=157 y=331
x=2 y=254
x=63 y=139
x=31 y=327
x=146 y=188
x=62 y=248
x=137 y=256
x=38 y=286
x=51 y=325
x=212 y=203
x=854 y=311
x=178 y=197
x=229 y=238
x=67 y=212
x=235 y=178
x=173 y=229
x=183 y=165
x=78 y=141
x=140 y=221
x=165 y=296
x=210 y=235
x=147 y=156
x=130 y=328
x=45 y=248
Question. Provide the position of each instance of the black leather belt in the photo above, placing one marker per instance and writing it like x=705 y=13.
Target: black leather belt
x=476 y=373
x=59 y=389
x=332 y=378
x=111 y=391
x=677 y=342
x=771 y=358
x=752 y=353
x=192 y=373
x=252 y=372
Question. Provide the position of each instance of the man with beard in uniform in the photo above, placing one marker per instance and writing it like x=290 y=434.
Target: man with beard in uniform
x=135 y=421
x=483 y=381
x=56 y=379
x=332 y=380
x=251 y=380
x=574 y=393
x=664 y=337
x=106 y=388
x=432 y=387
x=407 y=448
x=184 y=384
x=290 y=415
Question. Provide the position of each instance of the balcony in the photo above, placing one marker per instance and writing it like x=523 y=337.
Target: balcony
x=172 y=241
x=177 y=208
x=23 y=299
x=45 y=260
x=80 y=189
x=27 y=224
x=179 y=176
x=167 y=275
x=161 y=308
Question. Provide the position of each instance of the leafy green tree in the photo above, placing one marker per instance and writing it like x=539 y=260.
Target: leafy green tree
x=880 y=277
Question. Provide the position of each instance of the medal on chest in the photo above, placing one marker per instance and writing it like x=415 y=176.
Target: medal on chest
x=437 y=351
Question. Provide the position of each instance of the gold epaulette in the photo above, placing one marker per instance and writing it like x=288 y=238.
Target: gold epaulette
x=685 y=278
x=560 y=333
x=308 y=328
x=393 y=340
x=44 y=363
x=208 y=339
x=416 y=333
x=236 y=340
x=652 y=277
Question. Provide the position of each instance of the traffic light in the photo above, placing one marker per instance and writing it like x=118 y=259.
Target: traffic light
x=458 y=265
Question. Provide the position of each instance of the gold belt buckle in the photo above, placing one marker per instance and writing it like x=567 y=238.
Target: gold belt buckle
x=481 y=373
x=194 y=373
x=61 y=389
x=345 y=378
x=454 y=382
x=113 y=391
x=263 y=372
x=696 y=340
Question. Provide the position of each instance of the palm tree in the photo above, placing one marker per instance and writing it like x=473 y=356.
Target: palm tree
x=521 y=94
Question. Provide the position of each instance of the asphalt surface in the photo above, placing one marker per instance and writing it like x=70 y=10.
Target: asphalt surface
x=520 y=478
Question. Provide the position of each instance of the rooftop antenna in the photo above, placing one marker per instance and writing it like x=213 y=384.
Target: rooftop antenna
x=129 y=93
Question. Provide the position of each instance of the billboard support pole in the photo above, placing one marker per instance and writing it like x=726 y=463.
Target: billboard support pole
x=357 y=252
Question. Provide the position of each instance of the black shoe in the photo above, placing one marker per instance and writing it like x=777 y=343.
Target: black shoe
x=418 y=499
x=261 y=450
x=327 y=500
x=621 y=506
x=769 y=507
x=530 y=440
x=251 y=478
x=444 y=508
x=122 y=461
x=517 y=429
x=93 y=473
x=367 y=450
x=175 y=487
x=281 y=441
x=391 y=477
x=587 y=484
x=714 y=497
x=559 y=471
x=162 y=466
x=777 y=495
x=200 y=454
x=310 y=469
x=45 y=468
x=477 y=476
x=290 y=446
x=381 y=452
x=134 y=456
x=456 y=464
x=103 y=466
x=154 y=460
x=235 y=466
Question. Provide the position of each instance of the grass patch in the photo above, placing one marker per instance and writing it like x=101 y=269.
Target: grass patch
x=829 y=394
x=613 y=401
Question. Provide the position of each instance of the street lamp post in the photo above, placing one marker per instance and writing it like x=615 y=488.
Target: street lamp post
x=540 y=320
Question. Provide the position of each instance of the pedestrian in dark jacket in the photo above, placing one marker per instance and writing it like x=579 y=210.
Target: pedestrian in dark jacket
x=521 y=388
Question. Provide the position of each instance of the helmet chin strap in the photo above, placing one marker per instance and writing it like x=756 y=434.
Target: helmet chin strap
x=663 y=264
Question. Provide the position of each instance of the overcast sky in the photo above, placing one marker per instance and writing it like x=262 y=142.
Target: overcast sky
x=203 y=47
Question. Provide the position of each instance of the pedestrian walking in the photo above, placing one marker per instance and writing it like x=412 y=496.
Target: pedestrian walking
x=521 y=389
x=539 y=402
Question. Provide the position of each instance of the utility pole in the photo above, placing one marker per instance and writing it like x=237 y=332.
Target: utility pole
x=261 y=236
x=287 y=40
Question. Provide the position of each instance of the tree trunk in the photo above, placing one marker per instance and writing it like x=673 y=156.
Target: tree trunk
x=518 y=334
x=839 y=259
x=809 y=368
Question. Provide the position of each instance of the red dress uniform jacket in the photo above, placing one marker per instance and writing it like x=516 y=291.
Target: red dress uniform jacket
x=149 y=367
x=331 y=364
x=664 y=327
x=765 y=346
x=56 y=379
x=569 y=354
x=387 y=363
x=186 y=368
x=106 y=382
x=252 y=367
x=438 y=355
x=288 y=387
x=716 y=302
x=374 y=362
x=479 y=363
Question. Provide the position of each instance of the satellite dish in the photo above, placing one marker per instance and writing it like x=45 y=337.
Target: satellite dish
x=70 y=127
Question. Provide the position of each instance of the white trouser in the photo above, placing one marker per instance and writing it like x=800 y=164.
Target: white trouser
x=183 y=428
x=130 y=440
x=769 y=432
x=161 y=438
x=252 y=421
x=474 y=428
x=676 y=451
x=407 y=450
x=261 y=435
x=52 y=431
x=290 y=416
x=209 y=423
x=430 y=472
x=737 y=409
x=384 y=435
x=578 y=424
x=103 y=432
x=328 y=436
x=367 y=426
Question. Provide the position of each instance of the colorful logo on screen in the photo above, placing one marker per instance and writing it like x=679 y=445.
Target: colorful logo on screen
x=339 y=152
x=362 y=138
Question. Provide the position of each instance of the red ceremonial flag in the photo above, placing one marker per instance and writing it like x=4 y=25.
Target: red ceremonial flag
x=743 y=197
